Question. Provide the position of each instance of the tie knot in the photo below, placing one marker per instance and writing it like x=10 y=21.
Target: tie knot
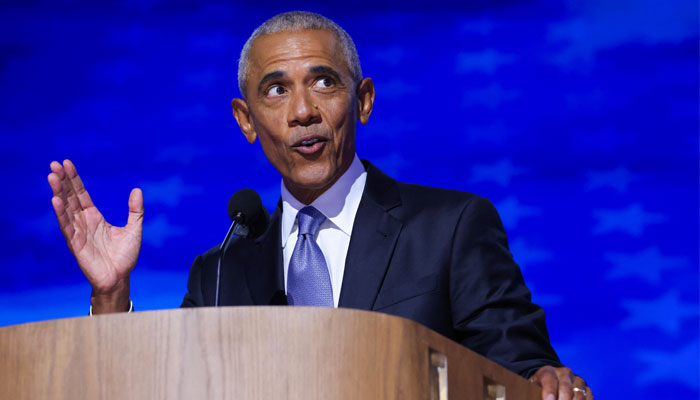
x=309 y=220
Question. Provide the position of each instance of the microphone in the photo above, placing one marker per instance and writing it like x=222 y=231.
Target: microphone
x=246 y=210
x=249 y=220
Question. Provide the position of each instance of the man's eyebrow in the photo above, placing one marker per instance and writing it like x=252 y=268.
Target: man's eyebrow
x=269 y=77
x=325 y=70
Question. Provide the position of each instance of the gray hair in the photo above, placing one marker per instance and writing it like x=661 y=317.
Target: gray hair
x=296 y=21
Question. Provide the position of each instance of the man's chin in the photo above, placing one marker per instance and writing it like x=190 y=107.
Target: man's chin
x=310 y=185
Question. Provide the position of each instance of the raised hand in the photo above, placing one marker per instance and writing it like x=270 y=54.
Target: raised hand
x=106 y=254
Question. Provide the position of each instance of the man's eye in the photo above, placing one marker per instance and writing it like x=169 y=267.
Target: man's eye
x=324 y=83
x=275 y=91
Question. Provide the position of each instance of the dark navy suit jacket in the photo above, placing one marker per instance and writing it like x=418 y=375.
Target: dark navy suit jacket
x=439 y=257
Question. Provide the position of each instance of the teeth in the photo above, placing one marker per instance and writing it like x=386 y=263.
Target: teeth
x=309 y=142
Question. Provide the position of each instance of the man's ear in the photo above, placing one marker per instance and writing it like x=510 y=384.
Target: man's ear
x=365 y=99
x=243 y=117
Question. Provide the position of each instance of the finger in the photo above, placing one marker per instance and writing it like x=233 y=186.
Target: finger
x=56 y=179
x=57 y=168
x=566 y=383
x=55 y=183
x=70 y=200
x=77 y=183
x=547 y=378
x=581 y=384
x=136 y=210
x=64 y=220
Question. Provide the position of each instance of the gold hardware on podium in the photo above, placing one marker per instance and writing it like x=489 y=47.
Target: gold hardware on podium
x=438 y=375
x=493 y=390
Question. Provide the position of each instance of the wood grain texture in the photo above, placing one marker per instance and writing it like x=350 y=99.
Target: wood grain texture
x=238 y=353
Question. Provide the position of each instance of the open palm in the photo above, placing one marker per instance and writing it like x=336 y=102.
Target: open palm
x=106 y=254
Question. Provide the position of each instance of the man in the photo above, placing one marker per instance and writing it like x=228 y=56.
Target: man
x=344 y=234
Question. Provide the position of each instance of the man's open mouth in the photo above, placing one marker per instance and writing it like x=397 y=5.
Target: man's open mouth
x=310 y=145
x=309 y=141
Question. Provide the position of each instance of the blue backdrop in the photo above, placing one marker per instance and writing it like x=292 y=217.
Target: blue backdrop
x=579 y=120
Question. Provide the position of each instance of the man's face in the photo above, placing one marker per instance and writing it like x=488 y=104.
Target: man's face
x=303 y=106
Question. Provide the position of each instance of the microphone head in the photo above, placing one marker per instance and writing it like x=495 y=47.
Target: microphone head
x=245 y=207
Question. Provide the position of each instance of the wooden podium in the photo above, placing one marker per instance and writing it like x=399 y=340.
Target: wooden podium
x=246 y=353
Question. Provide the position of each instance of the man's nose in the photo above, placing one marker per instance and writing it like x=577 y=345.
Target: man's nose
x=302 y=109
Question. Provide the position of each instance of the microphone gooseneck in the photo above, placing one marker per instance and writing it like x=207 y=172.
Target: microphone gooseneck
x=249 y=220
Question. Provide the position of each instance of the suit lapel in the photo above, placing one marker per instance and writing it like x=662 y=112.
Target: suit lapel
x=374 y=236
x=264 y=271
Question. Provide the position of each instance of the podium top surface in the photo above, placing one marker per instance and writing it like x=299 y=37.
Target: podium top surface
x=242 y=353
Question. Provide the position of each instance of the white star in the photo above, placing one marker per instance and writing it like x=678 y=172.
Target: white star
x=617 y=179
x=665 y=313
x=648 y=264
x=158 y=230
x=511 y=211
x=631 y=220
x=678 y=367
x=501 y=172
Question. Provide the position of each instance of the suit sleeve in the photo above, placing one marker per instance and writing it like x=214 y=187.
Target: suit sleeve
x=491 y=306
x=194 y=297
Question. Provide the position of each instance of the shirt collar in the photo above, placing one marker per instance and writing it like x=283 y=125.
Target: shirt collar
x=339 y=203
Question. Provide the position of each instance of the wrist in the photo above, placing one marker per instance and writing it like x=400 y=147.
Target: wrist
x=111 y=301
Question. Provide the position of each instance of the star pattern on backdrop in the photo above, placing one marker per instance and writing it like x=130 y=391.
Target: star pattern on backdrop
x=648 y=264
x=597 y=27
x=391 y=163
x=631 y=220
x=481 y=26
x=526 y=254
x=549 y=97
x=501 y=172
x=511 y=211
x=391 y=55
x=158 y=230
x=679 y=367
x=169 y=191
x=618 y=179
x=390 y=126
x=544 y=299
x=666 y=313
x=486 y=61
x=396 y=89
x=205 y=78
x=44 y=225
x=491 y=133
x=193 y=114
x=183 y=154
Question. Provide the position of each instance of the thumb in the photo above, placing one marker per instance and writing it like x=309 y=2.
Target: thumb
x=135 y=209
